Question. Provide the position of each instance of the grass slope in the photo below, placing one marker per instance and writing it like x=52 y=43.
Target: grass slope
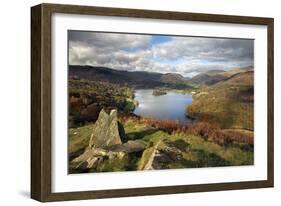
x=228 y=103
x=190 y=151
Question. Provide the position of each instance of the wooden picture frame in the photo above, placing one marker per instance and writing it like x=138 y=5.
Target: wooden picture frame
x=41 y=116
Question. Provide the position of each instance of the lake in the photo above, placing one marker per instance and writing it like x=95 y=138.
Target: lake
x=170 y=106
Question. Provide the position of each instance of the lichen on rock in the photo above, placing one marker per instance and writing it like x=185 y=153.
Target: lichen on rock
x=106 y=130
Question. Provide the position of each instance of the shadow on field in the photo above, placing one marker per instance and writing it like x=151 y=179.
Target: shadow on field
x=140 y=134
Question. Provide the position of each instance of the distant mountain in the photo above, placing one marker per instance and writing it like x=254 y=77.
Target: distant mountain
x=215 y=71
x=138 y=79
x=173 y=78
x=214 y=76
x=207 y=78
x=142 y=79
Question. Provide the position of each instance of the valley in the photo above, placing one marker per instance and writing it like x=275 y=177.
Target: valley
x=219 y=103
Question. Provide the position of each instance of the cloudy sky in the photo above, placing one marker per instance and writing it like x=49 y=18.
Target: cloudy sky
x=187 y=56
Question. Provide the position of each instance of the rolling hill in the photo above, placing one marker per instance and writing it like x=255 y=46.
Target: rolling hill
x=173 y=78
x=228 y=103
x=207 y=79
x=214 y=76
x=136 y=79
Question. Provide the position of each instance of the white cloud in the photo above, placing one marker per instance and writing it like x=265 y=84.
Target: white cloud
x=184 y=55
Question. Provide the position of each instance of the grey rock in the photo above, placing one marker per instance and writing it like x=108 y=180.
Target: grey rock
x=147 y=159
x=162 y=154
x=94 y=156
x=106 y=131
x=105 y=148
x=129 y=147
x=88 y=159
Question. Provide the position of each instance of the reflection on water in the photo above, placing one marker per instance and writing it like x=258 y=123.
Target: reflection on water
x=170 y=106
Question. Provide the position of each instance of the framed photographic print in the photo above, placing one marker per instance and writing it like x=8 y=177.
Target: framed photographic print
x=130 y=102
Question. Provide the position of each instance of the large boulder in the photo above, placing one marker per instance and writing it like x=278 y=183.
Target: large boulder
x=163 y=155
x=96 y=158
x=147 y=159
x=106 y=151
x=106 y=131
x=129 y=147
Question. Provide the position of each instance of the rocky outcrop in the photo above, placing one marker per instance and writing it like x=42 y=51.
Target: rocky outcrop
x=147 y=159
x=92 y=157
x=162 y=154
x=106 y=151
x=107 y=131
x=129 y=147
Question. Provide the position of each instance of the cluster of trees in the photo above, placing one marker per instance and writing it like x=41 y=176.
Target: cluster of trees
x=87 y=98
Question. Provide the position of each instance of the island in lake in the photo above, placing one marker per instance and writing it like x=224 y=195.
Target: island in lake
x=131 y=114
x=158 y=92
